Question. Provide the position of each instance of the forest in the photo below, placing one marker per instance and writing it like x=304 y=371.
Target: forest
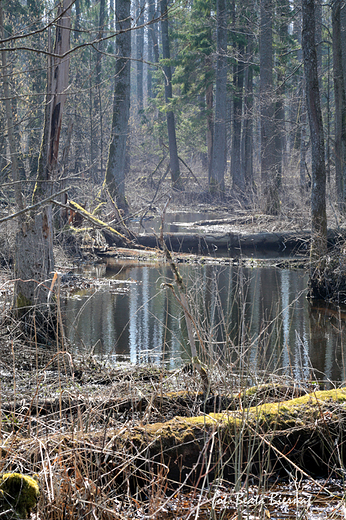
x=114 y=115
x=240 y=103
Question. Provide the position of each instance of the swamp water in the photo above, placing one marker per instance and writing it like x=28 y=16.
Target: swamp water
x=256 y=318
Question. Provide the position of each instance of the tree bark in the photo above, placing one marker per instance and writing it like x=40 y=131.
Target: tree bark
x=283 y=14
x=97 y=92
x=236 y=167
x=318 y=173
x=209 y=99
x=219 y=157
x=139 y=53
x=340 y=109
x=247 y=146
x=151 y=15
x=343 y=37
x=9 y=117
x=115 y=171
x=271 y=203
x=172 y=140
x=34 y=241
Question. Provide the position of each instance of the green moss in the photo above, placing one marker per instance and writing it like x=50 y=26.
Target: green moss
x=285 y=414
x=277 y=415
x=22 y=301
x=18 y=495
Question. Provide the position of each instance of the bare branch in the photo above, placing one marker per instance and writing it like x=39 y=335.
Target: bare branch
x=34 y=206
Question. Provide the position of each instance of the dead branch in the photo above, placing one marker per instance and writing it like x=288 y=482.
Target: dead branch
x=34 y=206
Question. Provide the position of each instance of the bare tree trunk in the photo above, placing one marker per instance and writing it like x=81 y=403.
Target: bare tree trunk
x=172 y=140
x=318 y=188
x=319 y=39
x=283 y=13
x=34 y=241
x=151 y=15
x=343 y=37
x=10 y=125
x=271 y=203
x=115 y=170
x=139 y=52
x=236 y=167
x=340 y=109
x=303 y=147
x=153 y=48
x=219 y=158
x=97 y=92
x=209 y=98
x=247 y=147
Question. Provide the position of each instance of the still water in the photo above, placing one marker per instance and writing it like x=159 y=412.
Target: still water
x=258 y=319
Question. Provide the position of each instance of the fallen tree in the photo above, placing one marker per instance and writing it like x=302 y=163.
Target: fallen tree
x=208 y=243
x=303 y=434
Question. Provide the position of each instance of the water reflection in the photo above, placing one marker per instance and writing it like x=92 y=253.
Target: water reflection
x=257 y=319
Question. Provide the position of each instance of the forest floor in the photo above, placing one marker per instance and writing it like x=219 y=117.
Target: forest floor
x=126 y=441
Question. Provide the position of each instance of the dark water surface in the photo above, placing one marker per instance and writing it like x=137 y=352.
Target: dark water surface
x=257 y=318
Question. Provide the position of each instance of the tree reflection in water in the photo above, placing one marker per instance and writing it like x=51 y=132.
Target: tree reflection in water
x=258 y=319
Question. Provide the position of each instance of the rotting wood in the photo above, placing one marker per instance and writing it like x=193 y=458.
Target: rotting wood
x=304 y=433
x=303 y=429
x=181 y=401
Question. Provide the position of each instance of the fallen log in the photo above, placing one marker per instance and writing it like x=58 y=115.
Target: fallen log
x=304 y=434
x=207 y=243
x=181 y=401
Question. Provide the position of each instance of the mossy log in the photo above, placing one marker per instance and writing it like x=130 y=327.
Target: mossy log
x=303 y=434
x=18 y=495
x=181 y=402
